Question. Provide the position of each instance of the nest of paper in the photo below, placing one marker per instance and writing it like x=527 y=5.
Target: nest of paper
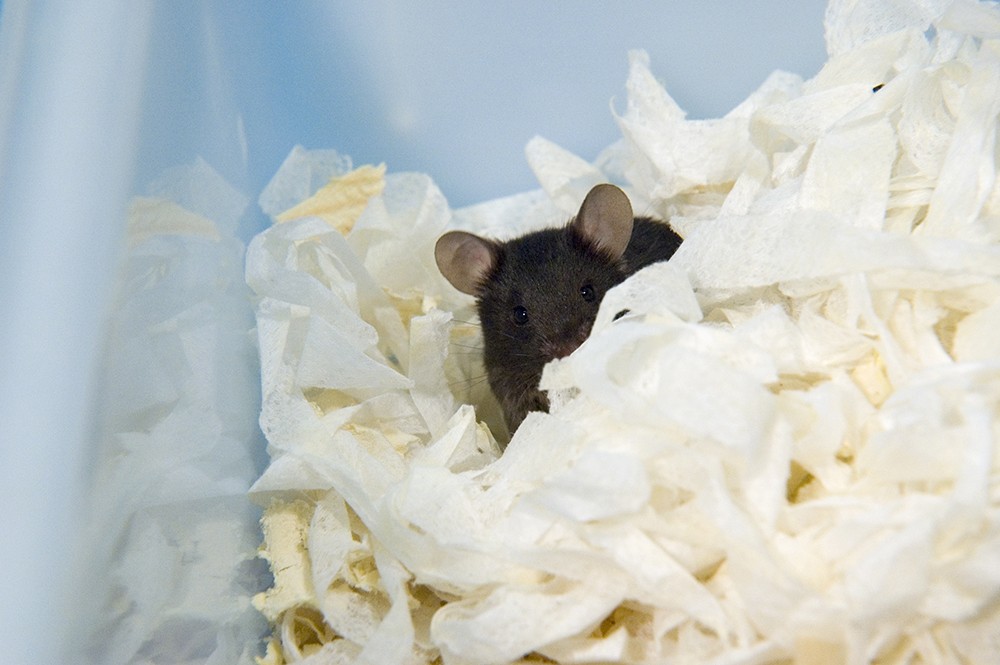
x=786 y=452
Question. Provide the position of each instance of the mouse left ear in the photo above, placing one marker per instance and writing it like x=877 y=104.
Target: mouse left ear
x=605 y=219
x=465 y=260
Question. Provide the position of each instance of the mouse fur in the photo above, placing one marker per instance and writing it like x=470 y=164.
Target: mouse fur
x=537 y=295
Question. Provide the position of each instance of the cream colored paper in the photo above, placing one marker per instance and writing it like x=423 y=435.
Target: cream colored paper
x=786 y=451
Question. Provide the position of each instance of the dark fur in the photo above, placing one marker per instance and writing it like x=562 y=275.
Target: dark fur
x=544 y=272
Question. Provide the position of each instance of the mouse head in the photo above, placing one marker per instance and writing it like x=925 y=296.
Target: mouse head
x=538 y=295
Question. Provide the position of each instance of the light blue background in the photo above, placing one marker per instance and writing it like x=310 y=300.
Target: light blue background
x=455 y=89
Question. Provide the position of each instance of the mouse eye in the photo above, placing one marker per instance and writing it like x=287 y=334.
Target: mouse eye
x=520 y=315
x=588 y=292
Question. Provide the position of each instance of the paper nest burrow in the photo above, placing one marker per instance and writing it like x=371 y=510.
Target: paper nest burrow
x=786 y=453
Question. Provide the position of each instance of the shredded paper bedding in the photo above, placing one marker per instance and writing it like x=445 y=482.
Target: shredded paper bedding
x=166 y=561
x=786 y=452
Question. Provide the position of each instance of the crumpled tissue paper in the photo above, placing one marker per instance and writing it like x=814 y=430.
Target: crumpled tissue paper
x=786 y=452
x=169 y=565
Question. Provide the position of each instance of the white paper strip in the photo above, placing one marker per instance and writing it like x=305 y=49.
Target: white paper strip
x=786 y=450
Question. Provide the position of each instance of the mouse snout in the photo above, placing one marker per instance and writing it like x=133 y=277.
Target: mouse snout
x=567 y=342
x=562 y=348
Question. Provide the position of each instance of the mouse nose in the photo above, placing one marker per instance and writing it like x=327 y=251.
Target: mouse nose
x=567 y=342
x=563 y=348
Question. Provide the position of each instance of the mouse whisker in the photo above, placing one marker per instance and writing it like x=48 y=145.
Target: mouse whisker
x=520 y=354
x=468 y=383
x=508 y=335
x=476 y=347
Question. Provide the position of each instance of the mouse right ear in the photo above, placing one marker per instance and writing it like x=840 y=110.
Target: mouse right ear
x=605 y=219
x=465 y=260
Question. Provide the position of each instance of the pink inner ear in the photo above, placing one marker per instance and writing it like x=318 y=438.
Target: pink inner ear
x=605 y=219
x=478 y=257
x=465 y=260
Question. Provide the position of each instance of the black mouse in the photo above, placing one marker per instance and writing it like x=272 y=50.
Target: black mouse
x=538 y=295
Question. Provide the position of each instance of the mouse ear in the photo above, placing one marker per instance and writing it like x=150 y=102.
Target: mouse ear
x=465 y=260
x=605 y=219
